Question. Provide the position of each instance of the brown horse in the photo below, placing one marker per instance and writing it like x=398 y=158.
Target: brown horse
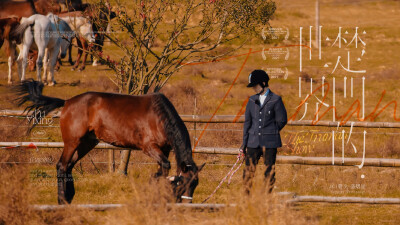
x=28 y=8
x=146 y=122
x=7 y=27
x=72 y=5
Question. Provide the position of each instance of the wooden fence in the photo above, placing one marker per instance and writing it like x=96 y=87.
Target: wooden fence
x=378 y=162
x=231 y=119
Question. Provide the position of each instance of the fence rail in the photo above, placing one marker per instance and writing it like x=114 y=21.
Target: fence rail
x=338 y=161
x=231 y=119
x=197 y=206
x=105 y=207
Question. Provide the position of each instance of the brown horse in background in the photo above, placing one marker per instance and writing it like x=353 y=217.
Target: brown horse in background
x=28 y=8
x=17 y=9
x=146 y=122
x=7 y=27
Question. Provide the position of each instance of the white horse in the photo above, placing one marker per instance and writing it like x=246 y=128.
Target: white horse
x=81 y=25
x=84 y=36
x=45 y=33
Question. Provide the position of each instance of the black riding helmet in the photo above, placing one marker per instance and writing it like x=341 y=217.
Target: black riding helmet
x=258 y=77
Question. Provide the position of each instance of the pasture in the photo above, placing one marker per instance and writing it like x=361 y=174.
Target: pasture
x=28 y=176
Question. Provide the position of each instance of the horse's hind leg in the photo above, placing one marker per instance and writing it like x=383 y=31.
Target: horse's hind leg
x=11 y=59
x=161 y=155
x=78 y=58
x=45 y=65
x=10 y=63
x=52 y=61
x=39 y=63
x=73 y=151
x=62 y=168
x=85 y=54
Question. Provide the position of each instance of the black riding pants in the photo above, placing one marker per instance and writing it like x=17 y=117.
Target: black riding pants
x=251 y=161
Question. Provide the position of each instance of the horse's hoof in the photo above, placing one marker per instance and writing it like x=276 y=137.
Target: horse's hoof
x=10 y=82
x=72 y=69
x=52 y=83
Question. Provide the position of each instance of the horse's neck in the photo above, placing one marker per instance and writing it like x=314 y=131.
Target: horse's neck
x=74 y=22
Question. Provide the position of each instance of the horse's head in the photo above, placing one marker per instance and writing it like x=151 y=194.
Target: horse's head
x=87 y=31
x=185 y=184
x=64 y=44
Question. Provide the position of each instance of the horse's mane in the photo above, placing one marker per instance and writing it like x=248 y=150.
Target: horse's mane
x=33 y=6
x=62 y=26
x=175 y=129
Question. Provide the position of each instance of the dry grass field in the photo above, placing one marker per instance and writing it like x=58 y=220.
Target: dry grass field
x=34 y=180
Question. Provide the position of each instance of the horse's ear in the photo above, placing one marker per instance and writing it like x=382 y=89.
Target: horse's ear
x=184 y=167
x=201 y=167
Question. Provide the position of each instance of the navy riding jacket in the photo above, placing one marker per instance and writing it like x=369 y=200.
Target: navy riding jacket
x=263 y=122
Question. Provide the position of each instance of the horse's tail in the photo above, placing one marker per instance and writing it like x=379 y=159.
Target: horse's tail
x=31 y=91
x=176 y=131
x=19 y=31
x=33 y=6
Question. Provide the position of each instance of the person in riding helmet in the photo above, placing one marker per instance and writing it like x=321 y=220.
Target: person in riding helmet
x=265 y=117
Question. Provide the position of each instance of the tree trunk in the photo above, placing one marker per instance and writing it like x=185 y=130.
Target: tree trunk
x=123 y=166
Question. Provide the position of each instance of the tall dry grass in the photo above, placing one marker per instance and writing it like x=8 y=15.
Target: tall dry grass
x=149 y=203
x=149 y=206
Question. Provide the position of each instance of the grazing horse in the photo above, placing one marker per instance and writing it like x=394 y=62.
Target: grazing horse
x=46 y=34
x=84 y=36
x=146 y=122
x=99 y=18
x=7 y=26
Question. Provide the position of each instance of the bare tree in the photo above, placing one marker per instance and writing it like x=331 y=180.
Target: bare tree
x=156 y=38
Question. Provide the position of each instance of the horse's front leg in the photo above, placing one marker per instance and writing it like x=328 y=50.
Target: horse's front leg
x=11 y=59
x=161 y=155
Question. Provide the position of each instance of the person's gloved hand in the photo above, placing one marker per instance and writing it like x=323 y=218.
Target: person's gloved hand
x=242 y=151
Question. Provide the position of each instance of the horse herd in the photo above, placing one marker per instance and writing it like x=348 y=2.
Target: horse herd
x=150 y=122
x=43 y=33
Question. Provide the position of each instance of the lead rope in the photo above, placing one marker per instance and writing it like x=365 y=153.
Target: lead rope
x=229 y=173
